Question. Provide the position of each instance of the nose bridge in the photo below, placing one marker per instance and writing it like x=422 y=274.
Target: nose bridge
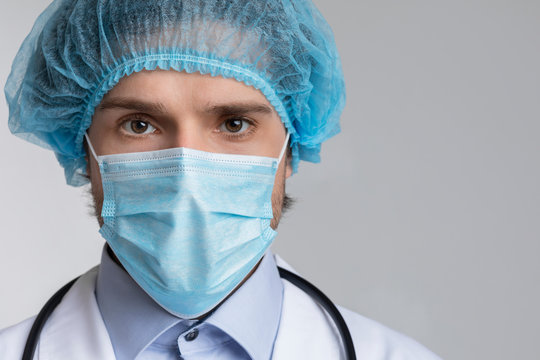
x=188 y=132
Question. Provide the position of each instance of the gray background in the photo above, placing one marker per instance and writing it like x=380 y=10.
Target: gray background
x=424 y=213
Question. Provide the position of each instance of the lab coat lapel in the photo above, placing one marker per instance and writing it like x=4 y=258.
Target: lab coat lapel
x=75 y=329
x=305 y=330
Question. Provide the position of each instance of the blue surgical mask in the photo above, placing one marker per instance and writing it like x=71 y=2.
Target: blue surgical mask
x=187 y=225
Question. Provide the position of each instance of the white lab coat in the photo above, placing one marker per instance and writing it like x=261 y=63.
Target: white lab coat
x=75 y=331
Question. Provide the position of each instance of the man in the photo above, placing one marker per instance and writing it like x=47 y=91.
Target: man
x=186 y=117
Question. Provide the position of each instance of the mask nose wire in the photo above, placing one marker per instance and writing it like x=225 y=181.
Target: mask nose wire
x=91 y=147
x=284 y=148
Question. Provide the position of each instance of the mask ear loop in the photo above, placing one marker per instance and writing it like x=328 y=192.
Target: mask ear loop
x=284 y=148
x=91 y=147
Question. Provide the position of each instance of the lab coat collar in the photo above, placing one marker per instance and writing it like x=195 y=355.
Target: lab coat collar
x=75 y=329
x=305 y=331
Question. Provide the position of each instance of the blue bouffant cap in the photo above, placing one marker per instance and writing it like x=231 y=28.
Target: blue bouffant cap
x=79 y=49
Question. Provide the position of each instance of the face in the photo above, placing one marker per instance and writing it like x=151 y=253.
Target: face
x=154 y=110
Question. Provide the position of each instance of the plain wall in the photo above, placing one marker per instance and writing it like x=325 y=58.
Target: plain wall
x=424 y=213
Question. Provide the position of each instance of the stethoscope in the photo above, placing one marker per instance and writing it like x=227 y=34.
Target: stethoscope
x=303 y=284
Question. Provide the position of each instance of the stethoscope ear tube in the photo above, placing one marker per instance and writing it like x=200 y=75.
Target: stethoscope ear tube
x=328 y=305
x=310 y=289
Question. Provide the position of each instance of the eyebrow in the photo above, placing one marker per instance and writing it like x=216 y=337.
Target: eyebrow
x=232 y=108
x=133 y=104
x=239 y=109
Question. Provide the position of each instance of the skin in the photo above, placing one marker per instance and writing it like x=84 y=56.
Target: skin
x=154 y=110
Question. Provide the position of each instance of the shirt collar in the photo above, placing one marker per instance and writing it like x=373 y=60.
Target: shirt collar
x=250 y=315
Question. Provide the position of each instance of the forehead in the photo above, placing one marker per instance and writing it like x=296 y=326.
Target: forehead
x=172 y=86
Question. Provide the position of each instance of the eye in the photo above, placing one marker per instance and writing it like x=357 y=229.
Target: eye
x=234 y=125
x=138 y=127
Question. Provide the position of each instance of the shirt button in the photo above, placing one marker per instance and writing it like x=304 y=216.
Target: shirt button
x=192 y=335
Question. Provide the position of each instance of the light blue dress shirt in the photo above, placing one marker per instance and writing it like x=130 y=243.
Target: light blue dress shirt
x=243 y=327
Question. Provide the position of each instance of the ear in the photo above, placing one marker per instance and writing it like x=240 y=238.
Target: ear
x=288 y=166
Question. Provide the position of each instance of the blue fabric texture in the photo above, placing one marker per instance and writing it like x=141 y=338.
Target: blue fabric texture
x=79 y=49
